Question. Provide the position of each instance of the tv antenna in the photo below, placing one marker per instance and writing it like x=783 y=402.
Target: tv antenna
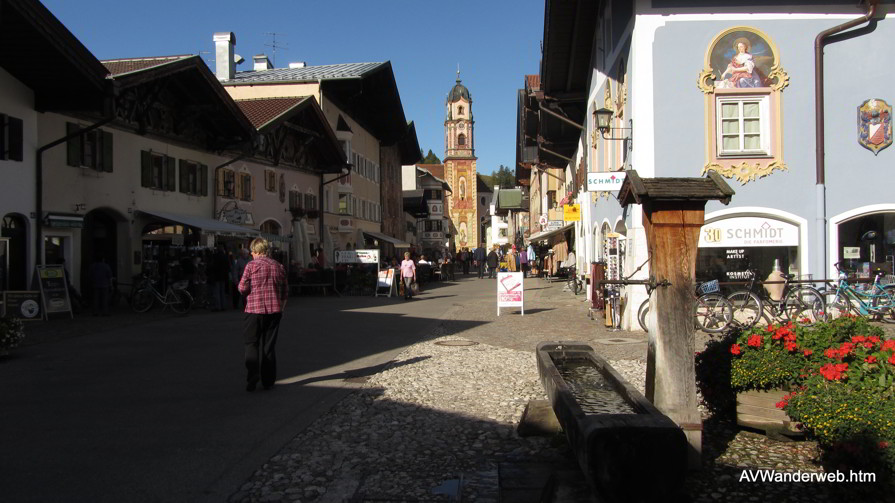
x=275 y=46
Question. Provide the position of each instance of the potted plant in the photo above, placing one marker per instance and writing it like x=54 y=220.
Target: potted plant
x=847 y=402
x=768 y=362
x=297 y=213
x=313 y=213
x=12 y=332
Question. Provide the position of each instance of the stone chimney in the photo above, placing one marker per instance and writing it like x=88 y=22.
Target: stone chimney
x=224 y=64
x=261 y=63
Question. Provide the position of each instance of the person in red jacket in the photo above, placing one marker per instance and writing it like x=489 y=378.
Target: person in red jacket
x=264 y=284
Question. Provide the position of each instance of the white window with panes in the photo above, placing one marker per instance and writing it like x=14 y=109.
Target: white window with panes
x=743 y=126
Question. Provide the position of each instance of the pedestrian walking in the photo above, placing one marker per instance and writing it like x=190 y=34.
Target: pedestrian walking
x=523 y=264
x=218 y=276
x=100 y=275
x=264 y=284
x=479 y=257
x=242 y=261
x=511 y=259
x=464 y=260
x=408 y=275
x=493 y=260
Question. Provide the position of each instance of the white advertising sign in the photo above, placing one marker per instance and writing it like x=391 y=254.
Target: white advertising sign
x=357 y=256
x=510 y=291
x=851 y=252
x=748 y=231
x=601 y=182
x=553 y=225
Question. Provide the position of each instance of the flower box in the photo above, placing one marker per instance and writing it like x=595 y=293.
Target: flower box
x=758 y=409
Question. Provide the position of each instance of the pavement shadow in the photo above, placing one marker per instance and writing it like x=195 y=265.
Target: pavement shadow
x=355 y=373
x=407 y=452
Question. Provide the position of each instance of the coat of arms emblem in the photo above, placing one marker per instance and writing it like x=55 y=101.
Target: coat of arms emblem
x=875 y=125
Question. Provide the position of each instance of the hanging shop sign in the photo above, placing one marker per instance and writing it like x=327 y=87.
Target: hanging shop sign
x=605 y=182
x=510 y=291
x=553 y=225
x=875 y=125
x=851 y=252
x=571 y=213
x=748 y=231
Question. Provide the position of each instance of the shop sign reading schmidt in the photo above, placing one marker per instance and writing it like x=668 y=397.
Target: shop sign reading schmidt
x=748 y=231
x=605 y=182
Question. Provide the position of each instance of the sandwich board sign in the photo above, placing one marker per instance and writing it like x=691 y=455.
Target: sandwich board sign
x=54 y=290
x=385 y=281
x=510 y=291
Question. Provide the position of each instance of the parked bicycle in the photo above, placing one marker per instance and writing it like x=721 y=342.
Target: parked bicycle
x=876 y=301
x=175 y=296
x=802 y=304
x=574 y=283
x=712 y=312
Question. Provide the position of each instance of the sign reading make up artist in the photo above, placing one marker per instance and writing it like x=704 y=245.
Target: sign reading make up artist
x=510 y=291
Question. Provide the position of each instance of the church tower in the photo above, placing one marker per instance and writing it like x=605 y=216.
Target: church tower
x=460 y=166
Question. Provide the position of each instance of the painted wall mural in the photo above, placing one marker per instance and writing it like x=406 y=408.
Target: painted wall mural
x=743 y=83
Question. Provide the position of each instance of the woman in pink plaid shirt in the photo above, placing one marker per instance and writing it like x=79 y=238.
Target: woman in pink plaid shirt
x=264 y=283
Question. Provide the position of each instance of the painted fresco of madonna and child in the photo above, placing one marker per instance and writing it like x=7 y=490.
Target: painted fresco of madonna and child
x=742 y=59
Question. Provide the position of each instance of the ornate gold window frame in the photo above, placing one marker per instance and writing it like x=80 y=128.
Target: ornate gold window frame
x=744 y=168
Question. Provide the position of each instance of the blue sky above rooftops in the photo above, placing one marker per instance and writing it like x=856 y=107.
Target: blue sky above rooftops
x=495 y=42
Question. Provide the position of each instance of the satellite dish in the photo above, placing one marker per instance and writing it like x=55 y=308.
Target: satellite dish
x=238 y=59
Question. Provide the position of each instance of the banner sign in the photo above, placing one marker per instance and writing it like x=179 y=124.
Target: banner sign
x=748 y=231
x=510 y=290
x=605 y=182
x=22 y=305
x=357 y=256
x=851 y=252
x=571 y=213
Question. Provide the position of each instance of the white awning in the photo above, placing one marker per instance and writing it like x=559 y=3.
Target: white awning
x=546 y=234
x=395 y=241
x=209 y=225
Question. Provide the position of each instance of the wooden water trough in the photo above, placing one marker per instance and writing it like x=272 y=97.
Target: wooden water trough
x=638 y=455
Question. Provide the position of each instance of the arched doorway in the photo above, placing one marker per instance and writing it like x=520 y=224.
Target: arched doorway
x=99 y=240
x=14 y=228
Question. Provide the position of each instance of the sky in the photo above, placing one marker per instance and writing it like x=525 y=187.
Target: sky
x=494 y=42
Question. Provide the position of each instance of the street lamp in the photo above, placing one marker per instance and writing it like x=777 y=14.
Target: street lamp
x=602 y=119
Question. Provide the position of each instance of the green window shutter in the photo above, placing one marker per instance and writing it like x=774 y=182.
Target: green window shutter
x=170 y=174
x=107 y=151
x=145 y=168
x=184 y=176
x=73 y=145
x=16 y=147
x=203 y=179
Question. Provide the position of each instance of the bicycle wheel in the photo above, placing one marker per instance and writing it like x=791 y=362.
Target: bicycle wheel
x=838 y=305
x=643 y=314
x=713 y=313
x=884 y=303
x=804 y=306
x=746 y=308
x=142 y=300
x=180 y=301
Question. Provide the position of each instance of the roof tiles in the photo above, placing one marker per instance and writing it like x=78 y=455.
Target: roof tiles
x=262 y=111
x=122 y=66
x=306 y=74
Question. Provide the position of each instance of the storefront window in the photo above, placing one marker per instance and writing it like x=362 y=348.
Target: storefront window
x=877 y=248
x=729 y=248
